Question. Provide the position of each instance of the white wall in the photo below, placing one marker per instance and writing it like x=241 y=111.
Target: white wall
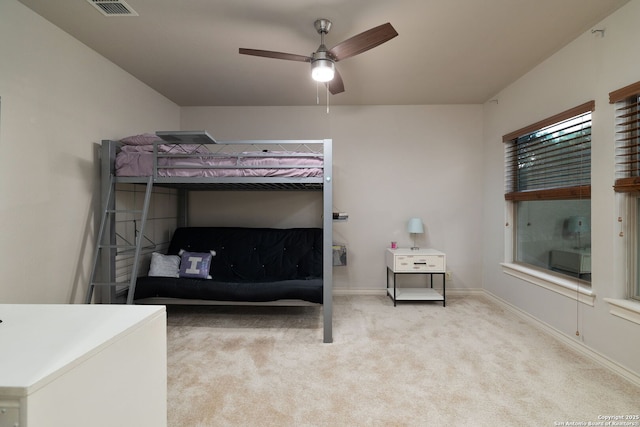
x=589 y=68
x=58 y=100
x=390 y=163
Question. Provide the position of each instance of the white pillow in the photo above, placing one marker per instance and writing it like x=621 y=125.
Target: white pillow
x=164 y=265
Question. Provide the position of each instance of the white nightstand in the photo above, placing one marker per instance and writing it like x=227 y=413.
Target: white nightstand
x=415 y=261
x=577 y=261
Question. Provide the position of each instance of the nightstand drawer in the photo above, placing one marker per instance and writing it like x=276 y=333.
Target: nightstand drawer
x=418 y=263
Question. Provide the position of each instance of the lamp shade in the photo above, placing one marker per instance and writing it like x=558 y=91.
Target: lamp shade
x=415 y=226
x=577 y=224
x=322 y=70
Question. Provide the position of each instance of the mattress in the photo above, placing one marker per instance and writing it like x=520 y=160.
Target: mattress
x=196 y=161
x=309 y=290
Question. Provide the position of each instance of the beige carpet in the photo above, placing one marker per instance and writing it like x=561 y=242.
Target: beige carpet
x=470 y=363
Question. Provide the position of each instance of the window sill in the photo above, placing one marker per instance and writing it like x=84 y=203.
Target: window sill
x=570 y=288
x=624 y=308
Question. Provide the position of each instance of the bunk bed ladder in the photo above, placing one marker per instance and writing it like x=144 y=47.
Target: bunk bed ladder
x=107 y=220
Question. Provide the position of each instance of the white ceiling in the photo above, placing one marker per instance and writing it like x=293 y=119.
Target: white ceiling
x=447 y=51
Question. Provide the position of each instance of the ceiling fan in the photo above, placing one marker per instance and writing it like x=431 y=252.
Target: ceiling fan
x=323 y=60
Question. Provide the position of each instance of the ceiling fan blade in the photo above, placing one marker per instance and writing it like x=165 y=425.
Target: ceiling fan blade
x=336 y=85
x=363 y=42
x=275 y=55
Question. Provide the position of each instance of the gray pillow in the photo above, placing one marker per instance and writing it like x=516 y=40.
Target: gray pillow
x=164 y=265
x=142 y=139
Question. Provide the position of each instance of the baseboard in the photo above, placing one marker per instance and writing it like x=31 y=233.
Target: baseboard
x=464 y=292
x=361 y=292
x=597 y=357
x=453 y=292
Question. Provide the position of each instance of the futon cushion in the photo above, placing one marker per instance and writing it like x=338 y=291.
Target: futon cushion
x=168 y=287
x=255 y=254
x=250 y=265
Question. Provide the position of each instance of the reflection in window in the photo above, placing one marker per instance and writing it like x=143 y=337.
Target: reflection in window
x=555 y=235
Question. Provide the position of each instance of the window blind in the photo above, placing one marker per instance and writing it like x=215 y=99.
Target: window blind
x=551 y=159
x=627 y=135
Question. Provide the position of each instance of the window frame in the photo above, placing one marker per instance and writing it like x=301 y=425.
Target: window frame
x=563 y=193
x=627 y=146
x=561 y=283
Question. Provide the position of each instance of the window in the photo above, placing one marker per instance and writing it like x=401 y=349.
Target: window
x=548 y=183
x=627 y=105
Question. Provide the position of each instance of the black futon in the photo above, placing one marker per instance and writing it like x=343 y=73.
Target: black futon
x=250 y=265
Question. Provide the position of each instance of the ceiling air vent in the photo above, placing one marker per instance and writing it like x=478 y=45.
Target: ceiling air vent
x=113 y=7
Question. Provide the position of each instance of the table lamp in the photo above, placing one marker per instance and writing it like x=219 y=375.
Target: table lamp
x=414 y=226
x=577 y=225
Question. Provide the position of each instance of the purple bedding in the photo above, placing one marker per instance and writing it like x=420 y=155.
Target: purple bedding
x=137 y=160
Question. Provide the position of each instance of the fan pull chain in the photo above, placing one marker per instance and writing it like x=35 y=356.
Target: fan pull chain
x=577 y=312
x=327 y=98
x=317 y=94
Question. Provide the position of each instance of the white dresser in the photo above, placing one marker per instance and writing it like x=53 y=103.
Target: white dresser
x=83 y=365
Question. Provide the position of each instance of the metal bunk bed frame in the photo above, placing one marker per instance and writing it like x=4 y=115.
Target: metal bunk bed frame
x=107 y=248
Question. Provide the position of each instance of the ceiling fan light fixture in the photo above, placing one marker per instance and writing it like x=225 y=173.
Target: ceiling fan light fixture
x=323 y=60
x=322 y=70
